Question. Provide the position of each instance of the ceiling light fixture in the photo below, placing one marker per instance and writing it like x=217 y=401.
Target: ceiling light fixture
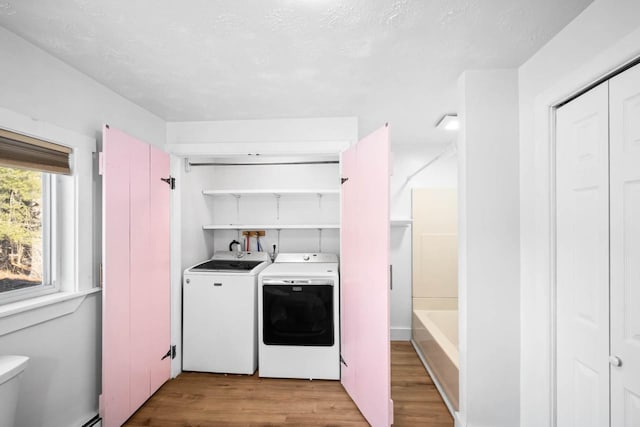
x=448 y=122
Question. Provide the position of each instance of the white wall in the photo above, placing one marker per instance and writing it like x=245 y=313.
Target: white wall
x=61 y=384
x=328 y=135
x=62 y=380
x=199 y=210
x=407 y=159
x=604 y=36
x=488 y=249
x=38 y=85
x=200 y=141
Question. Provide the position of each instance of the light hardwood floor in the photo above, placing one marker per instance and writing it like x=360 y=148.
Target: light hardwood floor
x=196 y=399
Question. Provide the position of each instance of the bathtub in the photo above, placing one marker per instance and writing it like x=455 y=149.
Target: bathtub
x=435 y=334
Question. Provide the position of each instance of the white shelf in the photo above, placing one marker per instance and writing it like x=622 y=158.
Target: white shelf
x=275 y=192
x=401 y=222
x=269 y=226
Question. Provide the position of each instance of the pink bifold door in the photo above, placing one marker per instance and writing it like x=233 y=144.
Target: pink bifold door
x=136 y=291
x=364 y=277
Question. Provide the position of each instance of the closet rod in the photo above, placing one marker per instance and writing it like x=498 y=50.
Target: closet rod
x=451 y=148
x=323 y=162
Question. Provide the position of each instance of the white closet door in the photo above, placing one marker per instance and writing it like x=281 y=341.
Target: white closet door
x=625 y=247
x=583 y=261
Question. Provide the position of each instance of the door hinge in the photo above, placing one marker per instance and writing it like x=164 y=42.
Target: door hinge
x=391 y=276
x=101 y=278
x=100 y=163
x=171 y=181
x=343 y=362
x=171 y=353
x=343 y=180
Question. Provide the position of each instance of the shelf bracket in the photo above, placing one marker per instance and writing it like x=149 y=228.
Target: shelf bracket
x=237 y=197
x=277 y=196
x=320 y=240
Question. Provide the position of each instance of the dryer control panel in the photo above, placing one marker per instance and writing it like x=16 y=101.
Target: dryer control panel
x=306 y=257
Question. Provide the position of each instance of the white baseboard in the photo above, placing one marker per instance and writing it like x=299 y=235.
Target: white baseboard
x=400 y=334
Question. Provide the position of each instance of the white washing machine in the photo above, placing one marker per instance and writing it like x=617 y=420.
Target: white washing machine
x=219 y=313
x=298 y=317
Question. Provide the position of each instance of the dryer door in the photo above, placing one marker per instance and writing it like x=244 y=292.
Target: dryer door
x=297 y=314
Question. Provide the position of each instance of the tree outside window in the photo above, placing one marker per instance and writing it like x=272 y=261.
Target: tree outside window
x=21 y=232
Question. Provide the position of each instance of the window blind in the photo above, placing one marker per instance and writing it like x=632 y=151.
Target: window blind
x=22 y=151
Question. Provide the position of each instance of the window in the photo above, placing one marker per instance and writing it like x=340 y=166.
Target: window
x=25 y=232
x=27 y=214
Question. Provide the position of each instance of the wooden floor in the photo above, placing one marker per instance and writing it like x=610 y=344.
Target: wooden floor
x=198 y=400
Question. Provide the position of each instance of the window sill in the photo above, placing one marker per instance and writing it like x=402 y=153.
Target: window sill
x=23 y=314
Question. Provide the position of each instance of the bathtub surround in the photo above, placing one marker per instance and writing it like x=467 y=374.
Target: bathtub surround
x=435 y=248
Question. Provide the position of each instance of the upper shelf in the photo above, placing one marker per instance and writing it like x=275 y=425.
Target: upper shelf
x=401 y=222
x=275 y=192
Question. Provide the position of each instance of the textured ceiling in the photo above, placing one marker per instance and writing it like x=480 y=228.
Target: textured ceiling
x=391 y=61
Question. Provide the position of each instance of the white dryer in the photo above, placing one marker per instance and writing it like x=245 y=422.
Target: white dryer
x=219 y=313
x=298 y=317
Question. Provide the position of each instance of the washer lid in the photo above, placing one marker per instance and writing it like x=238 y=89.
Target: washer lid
x=226 y=265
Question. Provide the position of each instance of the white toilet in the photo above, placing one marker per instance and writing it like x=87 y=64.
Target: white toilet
x=10 y=369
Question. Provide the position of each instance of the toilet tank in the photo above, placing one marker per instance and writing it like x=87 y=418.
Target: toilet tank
x=10 y=369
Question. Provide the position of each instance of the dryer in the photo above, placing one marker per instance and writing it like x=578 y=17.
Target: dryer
x=298 y=317
x=219 y=314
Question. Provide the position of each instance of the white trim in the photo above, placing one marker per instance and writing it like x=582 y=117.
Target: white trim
x=176 y=264
x=553 y=396
x=25 y=313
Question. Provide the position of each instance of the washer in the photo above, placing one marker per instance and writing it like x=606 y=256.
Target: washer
x=298 y=317
x=219 y=315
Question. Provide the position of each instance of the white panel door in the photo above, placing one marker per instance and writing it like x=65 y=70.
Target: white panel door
x=582 y=170
x=625 y=247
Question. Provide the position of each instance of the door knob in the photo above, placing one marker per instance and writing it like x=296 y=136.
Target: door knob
x=615 y=361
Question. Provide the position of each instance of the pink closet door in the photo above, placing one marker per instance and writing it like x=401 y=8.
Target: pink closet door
x=135 y=323
x=365 y=345
x=139 y=273
x=114 y=401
